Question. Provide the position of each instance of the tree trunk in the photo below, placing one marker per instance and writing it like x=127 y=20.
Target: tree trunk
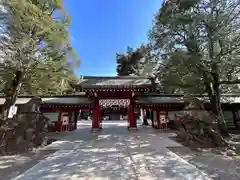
x=11 y=91
x=217 y=110
x=214 y=97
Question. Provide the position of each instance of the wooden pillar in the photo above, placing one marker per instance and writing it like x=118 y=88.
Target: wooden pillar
x=158 y=118
x=59 y=122
x=96 y=116
x=129 y=116
x=75 y=119
x=132 y=117
x=134 y=122
x=152 y=117
x=71 y=125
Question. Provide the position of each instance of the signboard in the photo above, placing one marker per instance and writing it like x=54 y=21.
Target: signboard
x=12 y=111
x=114 y=102
x=65 y=120
x=162 y=118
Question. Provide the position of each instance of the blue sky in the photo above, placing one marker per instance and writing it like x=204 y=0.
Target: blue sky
x=100 y=28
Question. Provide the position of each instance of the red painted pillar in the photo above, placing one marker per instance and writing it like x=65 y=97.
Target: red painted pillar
x=152 y=117
x=96 y=116
x=59 y=122
x=129 y=117
x=132 y=118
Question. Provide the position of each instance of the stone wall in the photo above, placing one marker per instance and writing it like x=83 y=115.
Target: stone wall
x=27 y=130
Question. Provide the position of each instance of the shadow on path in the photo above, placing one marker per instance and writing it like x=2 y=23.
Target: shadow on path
x=113 y=154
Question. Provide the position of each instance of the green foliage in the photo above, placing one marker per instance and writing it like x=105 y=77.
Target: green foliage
x=201 y=42
x=178 y=76
x=35 y=40
x=131 y=62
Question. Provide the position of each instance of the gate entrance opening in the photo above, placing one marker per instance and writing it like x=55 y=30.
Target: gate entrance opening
x=114 y=109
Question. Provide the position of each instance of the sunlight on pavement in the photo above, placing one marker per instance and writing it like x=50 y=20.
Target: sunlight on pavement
x=114 y=154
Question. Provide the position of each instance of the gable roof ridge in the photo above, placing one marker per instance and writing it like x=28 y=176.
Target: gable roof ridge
x=115 y=77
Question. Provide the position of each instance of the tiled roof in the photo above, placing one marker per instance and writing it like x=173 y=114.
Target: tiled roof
x=152 y=99
x=171 y=98
x=54 y=100
x=67 y=100
x=156 y=100
x=114 y=82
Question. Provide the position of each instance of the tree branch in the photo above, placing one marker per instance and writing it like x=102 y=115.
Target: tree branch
x=236 y=81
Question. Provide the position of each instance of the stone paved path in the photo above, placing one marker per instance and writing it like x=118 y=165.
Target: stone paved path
x=113 y=154
x=216 y=166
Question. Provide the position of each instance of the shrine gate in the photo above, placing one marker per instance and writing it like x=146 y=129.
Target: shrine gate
x=133 y=94
x=107 y=92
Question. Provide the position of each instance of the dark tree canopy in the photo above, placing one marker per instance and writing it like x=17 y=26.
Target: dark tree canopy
x=200 y=39
x=130 y=63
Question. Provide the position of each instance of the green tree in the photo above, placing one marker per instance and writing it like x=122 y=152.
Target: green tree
x=42 y=83
x=133 y=61
x=200 y=40
x=34 y=42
